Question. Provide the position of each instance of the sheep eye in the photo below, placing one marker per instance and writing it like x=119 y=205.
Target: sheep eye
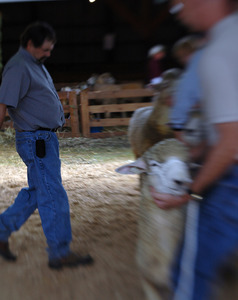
x=154 y=164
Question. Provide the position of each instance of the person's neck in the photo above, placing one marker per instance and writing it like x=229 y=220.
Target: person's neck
x=220 y=14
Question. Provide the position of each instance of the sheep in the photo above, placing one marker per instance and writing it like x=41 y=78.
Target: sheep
x=163 y=166
x=103 y=82
x=149 y=125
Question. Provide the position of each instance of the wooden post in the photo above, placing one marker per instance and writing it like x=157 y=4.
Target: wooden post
x=84 y=113
x=73 y=109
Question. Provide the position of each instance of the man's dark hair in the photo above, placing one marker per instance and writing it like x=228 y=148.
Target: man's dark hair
x=37 y=32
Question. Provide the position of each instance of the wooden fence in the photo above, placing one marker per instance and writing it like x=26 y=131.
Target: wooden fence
x=81 y=113
x=71 y=110
x=87 y=110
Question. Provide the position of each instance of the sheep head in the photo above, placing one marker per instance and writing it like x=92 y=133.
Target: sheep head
x=165 y=165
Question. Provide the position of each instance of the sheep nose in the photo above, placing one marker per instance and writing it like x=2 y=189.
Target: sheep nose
x=178 y=182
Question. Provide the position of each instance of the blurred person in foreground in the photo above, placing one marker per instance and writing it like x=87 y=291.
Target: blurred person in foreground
x=187 y=95
x=27 y=91
x=185 y=116
x=216 y=183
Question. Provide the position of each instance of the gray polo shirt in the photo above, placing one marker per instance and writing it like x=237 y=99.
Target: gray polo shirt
x=29 y=93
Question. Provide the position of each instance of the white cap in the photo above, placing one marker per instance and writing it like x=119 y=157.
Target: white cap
x=176 y=8
x=155 y=49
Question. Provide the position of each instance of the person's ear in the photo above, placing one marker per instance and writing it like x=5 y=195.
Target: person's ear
x=29 y=44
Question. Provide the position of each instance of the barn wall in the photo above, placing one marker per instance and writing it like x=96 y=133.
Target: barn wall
x=81 y=28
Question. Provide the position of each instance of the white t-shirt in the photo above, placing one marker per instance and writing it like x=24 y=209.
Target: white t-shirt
x=218 y=71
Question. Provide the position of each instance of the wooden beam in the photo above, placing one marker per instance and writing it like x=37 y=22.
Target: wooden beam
x=109 y=122
x=95 y=109
x=130 y=93
x=84 y=112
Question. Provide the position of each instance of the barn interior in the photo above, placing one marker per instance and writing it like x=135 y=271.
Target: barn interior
x=104 y=205
x=94 y=37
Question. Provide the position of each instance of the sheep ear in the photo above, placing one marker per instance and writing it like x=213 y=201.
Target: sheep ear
x=136 y=167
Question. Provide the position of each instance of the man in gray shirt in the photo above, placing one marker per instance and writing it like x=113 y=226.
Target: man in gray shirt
x=27 y=91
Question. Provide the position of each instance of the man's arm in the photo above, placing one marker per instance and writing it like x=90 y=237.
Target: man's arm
x=3 y=109
x=221 y=156
x=217 y=162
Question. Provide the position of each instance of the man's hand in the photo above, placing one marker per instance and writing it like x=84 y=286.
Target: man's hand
x=167 y=201
x=3 y=109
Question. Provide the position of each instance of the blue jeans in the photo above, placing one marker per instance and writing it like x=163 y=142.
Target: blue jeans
x=217 y=235
x=45 y=192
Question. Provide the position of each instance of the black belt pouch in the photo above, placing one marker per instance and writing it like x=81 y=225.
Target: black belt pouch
x=40 y=148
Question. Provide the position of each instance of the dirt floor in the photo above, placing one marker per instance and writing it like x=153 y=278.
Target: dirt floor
x=104 y=212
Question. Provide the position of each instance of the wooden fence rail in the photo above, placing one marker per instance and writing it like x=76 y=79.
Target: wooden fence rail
x=88 y=110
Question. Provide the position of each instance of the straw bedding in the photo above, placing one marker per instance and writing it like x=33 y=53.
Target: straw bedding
x=104 y=213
